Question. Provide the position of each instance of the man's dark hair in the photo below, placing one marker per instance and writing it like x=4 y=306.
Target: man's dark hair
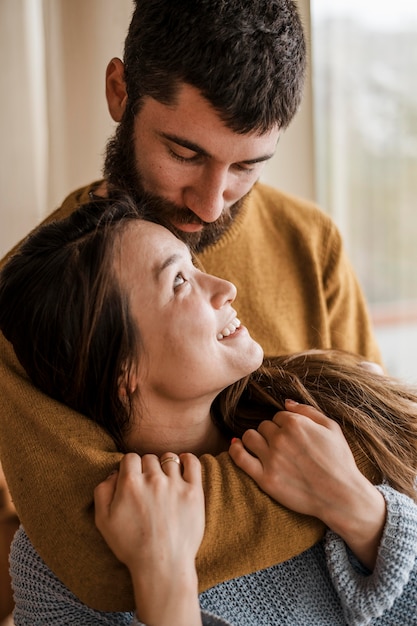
x=246 y=57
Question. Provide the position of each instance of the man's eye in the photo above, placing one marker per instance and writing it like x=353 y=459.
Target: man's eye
x=245 y=169
x=179 y=280
x=189 y=157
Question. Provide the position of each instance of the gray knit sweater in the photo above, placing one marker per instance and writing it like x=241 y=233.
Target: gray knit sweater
x=324 y=586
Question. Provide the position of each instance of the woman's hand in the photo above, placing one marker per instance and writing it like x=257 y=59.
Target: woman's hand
x=302 y=459
x=152 y=517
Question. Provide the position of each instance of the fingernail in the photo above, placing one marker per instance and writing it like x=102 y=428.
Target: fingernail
x=234 y=439
x=291 y=402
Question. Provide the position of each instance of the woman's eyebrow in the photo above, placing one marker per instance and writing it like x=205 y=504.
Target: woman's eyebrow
x=159 y=268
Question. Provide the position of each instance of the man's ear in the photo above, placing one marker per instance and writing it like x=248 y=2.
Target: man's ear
x=116 y=89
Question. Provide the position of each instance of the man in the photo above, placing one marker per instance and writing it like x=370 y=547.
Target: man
x=203 y=93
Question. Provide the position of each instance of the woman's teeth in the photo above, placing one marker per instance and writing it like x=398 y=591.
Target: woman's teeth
x=229 y=330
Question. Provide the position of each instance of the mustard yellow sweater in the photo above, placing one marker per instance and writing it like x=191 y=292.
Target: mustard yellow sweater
x=296 y=290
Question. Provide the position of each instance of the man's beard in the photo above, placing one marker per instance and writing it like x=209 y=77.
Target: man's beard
x=120 y=171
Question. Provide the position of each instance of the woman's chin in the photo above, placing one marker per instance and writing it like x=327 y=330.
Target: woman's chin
x=261 y=356
x=255 y=357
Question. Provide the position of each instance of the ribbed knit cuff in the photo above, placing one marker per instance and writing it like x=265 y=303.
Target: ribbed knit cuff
x=367 y=596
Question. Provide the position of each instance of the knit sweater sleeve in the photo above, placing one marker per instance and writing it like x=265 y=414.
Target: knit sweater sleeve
x=348 y=315
x=41 y=598
x=60 y=459
x=388 y=595
x=62 y=456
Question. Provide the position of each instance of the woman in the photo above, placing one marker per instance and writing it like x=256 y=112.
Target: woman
x=108 y=314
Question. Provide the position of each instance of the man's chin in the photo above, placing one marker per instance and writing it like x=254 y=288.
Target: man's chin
x=198 y=238
x=206 y=236
x=194 y=240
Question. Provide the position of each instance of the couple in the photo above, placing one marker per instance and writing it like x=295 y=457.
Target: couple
x=108 y=313
x=201 y=98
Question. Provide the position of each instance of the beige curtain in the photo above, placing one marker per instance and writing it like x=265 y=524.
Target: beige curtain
x=53 y=114
x=54 y=120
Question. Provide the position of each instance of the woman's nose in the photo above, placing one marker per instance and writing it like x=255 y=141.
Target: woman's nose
x=224 y=292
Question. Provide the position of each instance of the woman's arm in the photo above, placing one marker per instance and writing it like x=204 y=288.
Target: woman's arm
x=389 y=592
x=303 y=460
x=152 y=517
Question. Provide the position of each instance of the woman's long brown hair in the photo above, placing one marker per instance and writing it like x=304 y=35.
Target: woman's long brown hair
x=380 y=411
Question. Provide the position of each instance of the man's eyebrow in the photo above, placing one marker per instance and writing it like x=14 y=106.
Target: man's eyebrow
x=185 y=143
x=190 y=145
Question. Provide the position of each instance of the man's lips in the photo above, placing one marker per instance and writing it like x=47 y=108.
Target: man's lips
x=188 y=228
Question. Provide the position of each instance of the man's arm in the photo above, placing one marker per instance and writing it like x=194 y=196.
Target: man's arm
x=349 y=318
x=53 y=458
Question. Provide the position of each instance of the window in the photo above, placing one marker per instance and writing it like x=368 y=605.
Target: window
x=364 y=72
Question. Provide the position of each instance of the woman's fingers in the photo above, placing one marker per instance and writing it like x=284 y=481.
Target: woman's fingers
x=170 y=464
x=375 y=368
x=243 y=458
x=294 y=408
x=191 y=468
x=104 y=494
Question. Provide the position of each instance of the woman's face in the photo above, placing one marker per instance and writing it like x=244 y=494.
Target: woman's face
x=190 y=348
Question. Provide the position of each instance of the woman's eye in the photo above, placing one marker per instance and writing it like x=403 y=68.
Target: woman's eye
x=179 y=280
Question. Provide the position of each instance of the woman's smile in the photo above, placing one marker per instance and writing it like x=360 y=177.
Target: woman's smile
x=230 y=329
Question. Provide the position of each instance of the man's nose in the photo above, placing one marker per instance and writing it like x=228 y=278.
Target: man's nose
x=206 y=196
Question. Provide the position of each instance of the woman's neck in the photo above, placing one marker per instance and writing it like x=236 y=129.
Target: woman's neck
x=175 y=429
